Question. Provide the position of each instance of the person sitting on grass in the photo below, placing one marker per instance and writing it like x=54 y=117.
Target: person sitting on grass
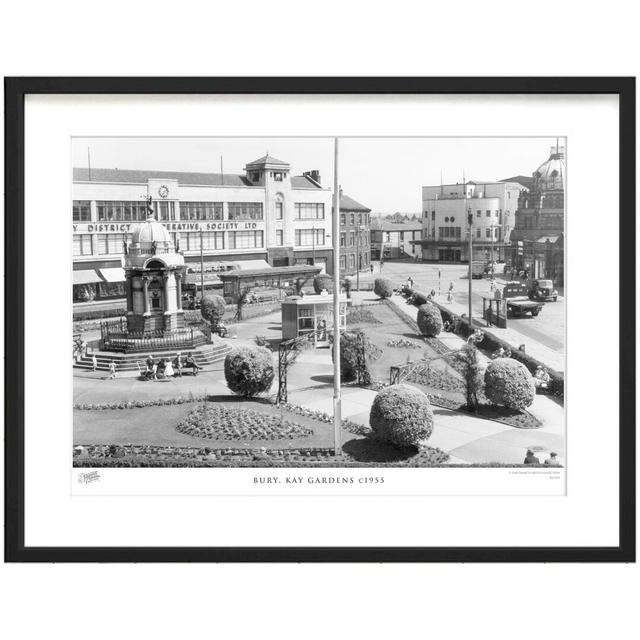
x=447 y=326
x=531 y=458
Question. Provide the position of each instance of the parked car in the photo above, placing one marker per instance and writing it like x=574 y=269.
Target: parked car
x=543 y=290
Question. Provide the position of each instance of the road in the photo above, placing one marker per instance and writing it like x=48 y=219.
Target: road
x=548 y=328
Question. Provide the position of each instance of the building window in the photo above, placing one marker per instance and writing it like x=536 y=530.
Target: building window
x=359 y=218
x=81 y=211
x=111 y=243
x=343 y=262
x=452 y=233
x=488 y=214
x=488 y=232
x=309 y=237
x=343 y=240
x=166 y=210
x=352 y=261
x=402 y=232
x=279 y=237
x=478 y=232
x=255 y=176
x=343 y=219
x=278 y=210
x=121 y=210
x=309 y=210
x=277 y=176
x=200 y=211
x=352 y=218
x=81 y=245
x=245 y=211
x=433 y=215
x=352 y=239
x=245 y=239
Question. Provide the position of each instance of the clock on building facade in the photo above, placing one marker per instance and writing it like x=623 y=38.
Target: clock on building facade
x=163 y=191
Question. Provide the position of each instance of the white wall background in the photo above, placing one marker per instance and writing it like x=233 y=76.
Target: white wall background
x=193 y=38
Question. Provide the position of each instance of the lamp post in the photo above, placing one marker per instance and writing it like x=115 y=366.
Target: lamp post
x=470 y=221
x=201 y=269
x=337 y=398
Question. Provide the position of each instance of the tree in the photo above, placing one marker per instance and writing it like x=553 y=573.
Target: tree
x=356 y=349
x=212 y=309
x=383 y=287
x=401 y=415
x=249 y=370
x=429 y=320
x=467 y=362
x=322 y=281
x=508 y=382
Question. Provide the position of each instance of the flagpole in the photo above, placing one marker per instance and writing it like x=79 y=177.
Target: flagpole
x=337 y=400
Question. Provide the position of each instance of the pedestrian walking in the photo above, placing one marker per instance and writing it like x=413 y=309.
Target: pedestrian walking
x=94 y=362
x=112 y=370
x=410 y=282
x=450 y=293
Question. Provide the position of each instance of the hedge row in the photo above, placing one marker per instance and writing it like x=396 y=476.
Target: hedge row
x=98 y=314
x=493 y=343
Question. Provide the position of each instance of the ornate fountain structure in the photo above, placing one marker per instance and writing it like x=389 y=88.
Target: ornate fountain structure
x=155 y=319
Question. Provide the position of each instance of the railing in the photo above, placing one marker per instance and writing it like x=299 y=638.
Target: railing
x=131 y=342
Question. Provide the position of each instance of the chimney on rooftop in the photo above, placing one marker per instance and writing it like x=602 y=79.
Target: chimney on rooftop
x=313 y=174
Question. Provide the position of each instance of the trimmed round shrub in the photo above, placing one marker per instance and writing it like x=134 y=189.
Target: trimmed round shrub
x=350 y=358
x=429 y=320
x=323 y=281
x=383 y=287
x=212 y=308
x=401 y=415
x=509 y=383
x=249 y=370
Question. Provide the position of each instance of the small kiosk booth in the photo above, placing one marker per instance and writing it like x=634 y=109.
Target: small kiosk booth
x=494 y=310
x=311 y=314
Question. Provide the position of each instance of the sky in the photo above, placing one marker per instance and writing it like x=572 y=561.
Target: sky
x=385 y=174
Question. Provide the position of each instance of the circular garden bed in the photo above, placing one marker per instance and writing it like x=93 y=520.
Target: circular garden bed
x=217 y=422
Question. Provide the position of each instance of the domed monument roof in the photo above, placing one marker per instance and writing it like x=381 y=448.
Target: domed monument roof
x=550 y=175
x=151 y=240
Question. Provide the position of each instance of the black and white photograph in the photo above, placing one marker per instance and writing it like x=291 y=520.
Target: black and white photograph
x=323 y=302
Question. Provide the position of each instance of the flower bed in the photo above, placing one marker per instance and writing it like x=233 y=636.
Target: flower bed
x=403 y=343
x=358 y=453
x=218 y=422
x=360 y=315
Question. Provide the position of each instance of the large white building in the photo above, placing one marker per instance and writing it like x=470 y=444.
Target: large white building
x=264 y=214
x=445 y=211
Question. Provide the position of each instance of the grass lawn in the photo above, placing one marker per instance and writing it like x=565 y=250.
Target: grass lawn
x=439 y=380
x=245 y=433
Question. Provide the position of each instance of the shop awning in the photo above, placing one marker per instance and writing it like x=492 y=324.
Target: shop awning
x=114 y=274
x=86 y=276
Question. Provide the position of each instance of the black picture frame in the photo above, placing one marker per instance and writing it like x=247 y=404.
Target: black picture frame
x=15 y=91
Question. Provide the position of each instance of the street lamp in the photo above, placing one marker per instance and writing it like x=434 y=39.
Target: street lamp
x=470 y=221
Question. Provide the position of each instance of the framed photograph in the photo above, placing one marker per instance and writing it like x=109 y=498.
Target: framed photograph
x=320 y=319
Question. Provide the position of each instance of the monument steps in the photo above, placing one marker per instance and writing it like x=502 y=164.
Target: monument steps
x=204 y=355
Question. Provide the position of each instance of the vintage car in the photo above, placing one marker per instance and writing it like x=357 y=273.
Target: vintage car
x=543 y=290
